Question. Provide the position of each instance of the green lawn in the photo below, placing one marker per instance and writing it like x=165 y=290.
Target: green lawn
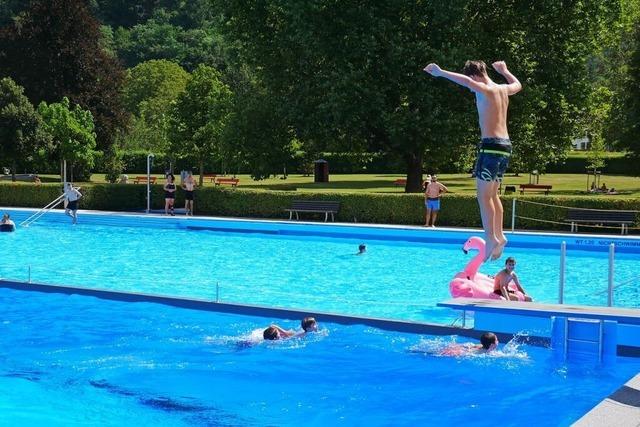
x=563 y=184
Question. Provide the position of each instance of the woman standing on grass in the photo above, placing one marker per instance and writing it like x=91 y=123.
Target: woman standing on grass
x=169 y=195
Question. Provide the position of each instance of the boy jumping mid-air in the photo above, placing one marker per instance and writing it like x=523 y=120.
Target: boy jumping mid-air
x=492 y=100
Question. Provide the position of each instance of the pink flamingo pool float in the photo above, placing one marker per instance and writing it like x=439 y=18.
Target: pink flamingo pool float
x=471 y=284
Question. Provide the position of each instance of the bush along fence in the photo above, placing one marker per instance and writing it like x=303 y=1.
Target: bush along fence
x=546 y=213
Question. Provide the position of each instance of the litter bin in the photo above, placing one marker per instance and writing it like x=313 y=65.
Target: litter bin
x=321 y=171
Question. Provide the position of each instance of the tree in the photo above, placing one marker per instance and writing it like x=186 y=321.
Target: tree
x=349 y=77
x=257 y=134
x=21 y=132
x=160 y=38
x=629 y=116
x=547 y=45
x=72 y=132
x=150 y=90
x=199 y=117
x=54 y=50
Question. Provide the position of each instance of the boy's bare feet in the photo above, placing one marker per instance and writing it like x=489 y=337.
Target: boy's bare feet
x=490 y=247
x=497 y=251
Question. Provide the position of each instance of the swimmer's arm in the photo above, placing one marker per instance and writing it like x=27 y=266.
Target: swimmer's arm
x=513 y=84
x=458 y=78
x=284 y=332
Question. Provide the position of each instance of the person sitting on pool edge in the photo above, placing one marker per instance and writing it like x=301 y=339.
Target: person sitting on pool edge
x=506 y=276
x=7 y=225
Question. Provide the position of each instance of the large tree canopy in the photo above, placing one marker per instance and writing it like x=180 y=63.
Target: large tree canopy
x=71 y=130
x=200 y=116
x=54 y=50
x=350 y=74
x=21 y=133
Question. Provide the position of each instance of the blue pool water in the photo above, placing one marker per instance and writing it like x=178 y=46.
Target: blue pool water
x=394 y=279
x=72 y=360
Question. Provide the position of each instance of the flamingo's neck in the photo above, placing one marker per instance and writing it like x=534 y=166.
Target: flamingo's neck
x=474 y=265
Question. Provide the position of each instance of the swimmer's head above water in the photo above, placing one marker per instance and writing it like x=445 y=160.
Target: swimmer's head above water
x=489 y=341
x=309 y=324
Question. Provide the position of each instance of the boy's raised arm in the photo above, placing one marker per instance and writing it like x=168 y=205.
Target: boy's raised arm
x=513 y=84
x=458 y=78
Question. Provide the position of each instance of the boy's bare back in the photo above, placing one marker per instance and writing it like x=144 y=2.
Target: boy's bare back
x=492 y=104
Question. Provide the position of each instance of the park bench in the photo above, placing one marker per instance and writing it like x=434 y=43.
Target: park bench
x=535 y=187
x=314 y=206
x=143 y=179
x=227 y=181
x=600 y=217
x=209 y=176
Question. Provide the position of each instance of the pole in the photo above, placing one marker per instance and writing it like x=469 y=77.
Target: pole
x=513 y=214
x=610 y=288
x=563 y=256
x=149 y=157
x=64 y=174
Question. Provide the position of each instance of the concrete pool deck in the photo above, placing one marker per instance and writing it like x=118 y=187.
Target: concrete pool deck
x=621 y=409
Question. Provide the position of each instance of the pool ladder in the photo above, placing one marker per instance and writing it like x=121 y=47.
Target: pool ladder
x=33 y=218
x=578 y=336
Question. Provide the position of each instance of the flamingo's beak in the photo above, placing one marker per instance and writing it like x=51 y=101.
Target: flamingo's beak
x=465 y=251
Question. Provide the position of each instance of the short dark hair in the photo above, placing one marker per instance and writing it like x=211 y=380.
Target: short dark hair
x=271 y=333
x=307 y=323
x=508 y=260
x=488 y=339
x=362 y=247
x=474 y=68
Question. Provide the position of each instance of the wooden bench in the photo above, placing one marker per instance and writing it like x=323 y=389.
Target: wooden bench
x=592 y=216
x=314 y=206
x=228 y=181
x=535 y=187
x=143 y=179
x=209 y=176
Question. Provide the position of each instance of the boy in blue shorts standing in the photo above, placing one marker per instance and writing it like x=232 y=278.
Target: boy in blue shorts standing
x=494 y=150
x=432 y=200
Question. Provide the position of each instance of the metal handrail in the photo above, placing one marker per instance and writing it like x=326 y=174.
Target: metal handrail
x=33 y=218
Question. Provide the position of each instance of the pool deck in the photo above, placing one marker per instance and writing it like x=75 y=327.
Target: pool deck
x=534 y=309
x=621 y=409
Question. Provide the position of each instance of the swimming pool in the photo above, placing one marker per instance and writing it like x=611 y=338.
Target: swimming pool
x=404 y=273
x=73 y=360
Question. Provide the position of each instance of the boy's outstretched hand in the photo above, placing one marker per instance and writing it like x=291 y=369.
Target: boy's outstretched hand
x=433 y=69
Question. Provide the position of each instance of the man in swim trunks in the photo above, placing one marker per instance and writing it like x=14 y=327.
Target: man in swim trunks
x=72 y=195
x=189 y=186
x=506 y=276
x=492 y=101
x=432 y=200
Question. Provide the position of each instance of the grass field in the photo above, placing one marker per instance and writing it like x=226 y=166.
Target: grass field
x=563 y=184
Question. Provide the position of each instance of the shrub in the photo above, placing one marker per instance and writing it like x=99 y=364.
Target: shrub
x=379 y=208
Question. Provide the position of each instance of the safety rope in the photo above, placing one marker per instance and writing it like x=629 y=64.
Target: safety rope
x=613 y=227
x=572 y=207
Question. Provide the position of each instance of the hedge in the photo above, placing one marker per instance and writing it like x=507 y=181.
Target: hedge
x=381 y=208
